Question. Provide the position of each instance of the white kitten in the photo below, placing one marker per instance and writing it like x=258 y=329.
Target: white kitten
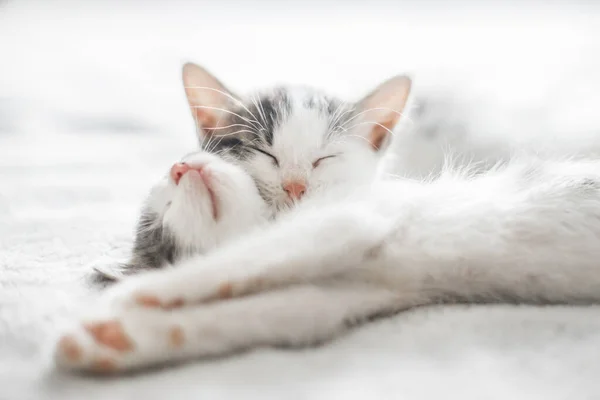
x=201 y=203
x=528 y=232
x=293 y=142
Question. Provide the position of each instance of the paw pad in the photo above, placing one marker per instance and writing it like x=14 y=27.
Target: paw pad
x=154 y=302
x=177 y=303
x=148 y=301
x=176 y=337
x=69 y=348
x=225 y=291
x=110 y=334
x=104 y=365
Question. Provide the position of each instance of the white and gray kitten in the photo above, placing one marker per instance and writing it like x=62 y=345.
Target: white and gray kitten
x=201 y=203
x=294 y=141
x=291 y=142
x=525 y=233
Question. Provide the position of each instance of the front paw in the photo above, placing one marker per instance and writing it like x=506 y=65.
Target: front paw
x=169 y=289
x=98 y=346
x=148 y=291
x=118 y=343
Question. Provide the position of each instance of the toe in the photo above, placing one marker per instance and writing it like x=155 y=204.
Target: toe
x=110 y=334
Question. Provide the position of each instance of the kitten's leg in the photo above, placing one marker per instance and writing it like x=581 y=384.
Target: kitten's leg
x=303 y=249
x=301 y=315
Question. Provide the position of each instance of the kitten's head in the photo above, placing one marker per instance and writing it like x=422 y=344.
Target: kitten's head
x=295 y=141
x=200 y=203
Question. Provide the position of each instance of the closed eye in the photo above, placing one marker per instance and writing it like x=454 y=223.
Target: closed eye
x=275 y=161
x=316 y=163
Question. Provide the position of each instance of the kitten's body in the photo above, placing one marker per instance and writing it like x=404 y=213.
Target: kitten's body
x=527 y=232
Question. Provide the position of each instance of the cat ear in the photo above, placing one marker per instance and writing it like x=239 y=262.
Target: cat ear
x=207 y=98
x=382 y=108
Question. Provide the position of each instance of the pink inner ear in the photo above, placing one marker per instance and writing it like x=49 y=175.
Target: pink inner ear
x=205 y=119
x=379 y=133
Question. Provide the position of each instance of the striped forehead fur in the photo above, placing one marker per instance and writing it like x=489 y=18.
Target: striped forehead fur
x=254 y=121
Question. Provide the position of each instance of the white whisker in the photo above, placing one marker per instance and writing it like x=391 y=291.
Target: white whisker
x=232 y=125
x=375 y=109
x=229 y=96
x=371 y=122
x=229 y=112
x=254 y=100
x=216 y=138
x=337 y=117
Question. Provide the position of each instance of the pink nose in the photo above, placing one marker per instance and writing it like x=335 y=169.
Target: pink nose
x=178 y=170
x=295 y=189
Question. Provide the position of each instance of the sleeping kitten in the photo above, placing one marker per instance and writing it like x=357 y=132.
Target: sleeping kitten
x=524 y=233
x=201 y=203
x=294 y=142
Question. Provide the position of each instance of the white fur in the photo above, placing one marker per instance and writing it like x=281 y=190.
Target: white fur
x=524 y=232
x=189 y=214
x=528 y=232
x=324 y=150
x=300 y=140
x=186 y=209
x=305 y=132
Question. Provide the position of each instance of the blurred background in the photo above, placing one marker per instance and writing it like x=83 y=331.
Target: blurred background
x=84 y=78
x=92 y=112
x=87 y=66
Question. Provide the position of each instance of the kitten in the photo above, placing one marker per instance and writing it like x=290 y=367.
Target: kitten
x=524 y=233
x=201 y=203
x=294 y=142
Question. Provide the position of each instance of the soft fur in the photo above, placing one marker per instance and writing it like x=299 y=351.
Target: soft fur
x=295 y=134
x=177 y=219
x=523 y=232
x=260 y=144
x=527 y=232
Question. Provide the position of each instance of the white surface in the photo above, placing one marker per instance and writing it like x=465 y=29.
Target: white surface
x=91 y=111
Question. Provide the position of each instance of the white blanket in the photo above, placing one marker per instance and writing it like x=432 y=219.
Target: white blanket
x=91 y=113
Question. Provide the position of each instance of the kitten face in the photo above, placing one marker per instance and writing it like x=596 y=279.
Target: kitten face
x=200 y=203
x=293 y=144
x=295 y=141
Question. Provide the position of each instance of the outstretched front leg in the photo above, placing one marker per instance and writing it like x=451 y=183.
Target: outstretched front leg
x=306 y=248
x=133 y=338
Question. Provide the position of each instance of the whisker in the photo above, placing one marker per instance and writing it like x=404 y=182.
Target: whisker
x=371 y=122
x=260 y=109
x=250 y=121
x=378 y=108
x=337 y=117
x=211 y=137
x=229 y=96
x=216 y=139
x=229 y=126
x=357 y=136
x=334 y=128
x=235 y=133
x=224 y=152
x=260 y=104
